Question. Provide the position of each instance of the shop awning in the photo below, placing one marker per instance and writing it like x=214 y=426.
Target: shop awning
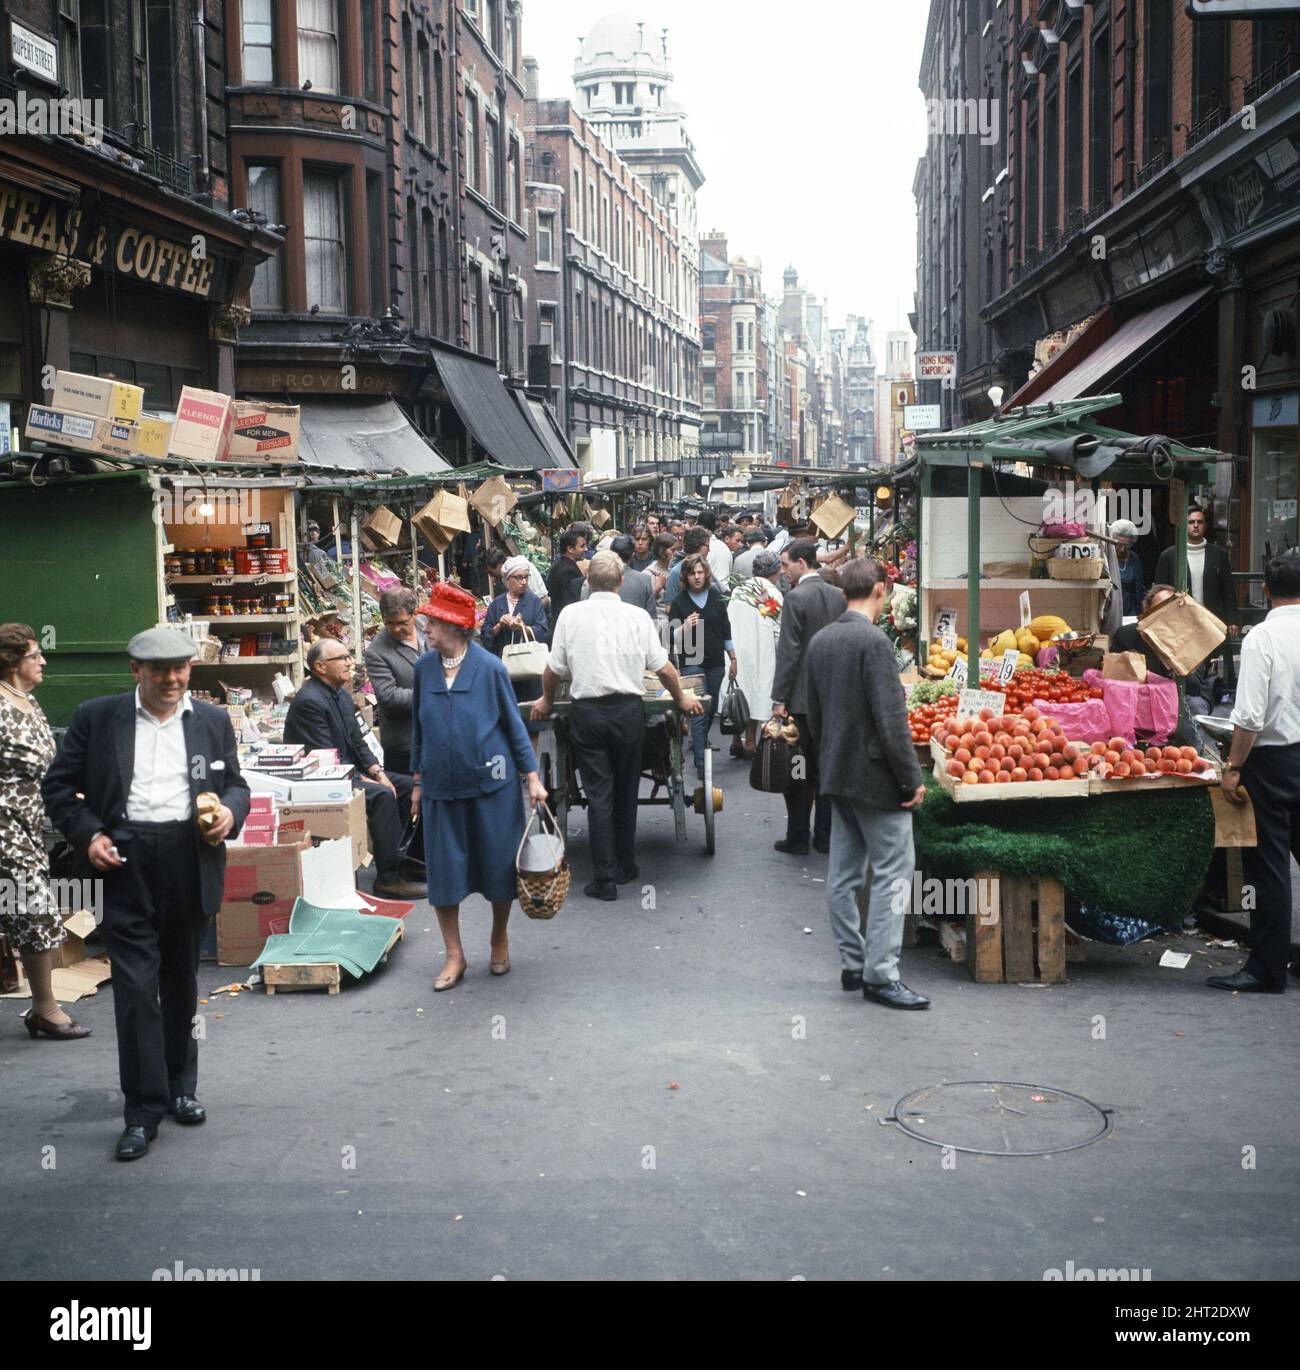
x=543 y=420
x=1096 y=357
x=364 y=435
x=490 y=413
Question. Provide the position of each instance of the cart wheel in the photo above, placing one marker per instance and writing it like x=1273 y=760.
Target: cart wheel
x=710 y=798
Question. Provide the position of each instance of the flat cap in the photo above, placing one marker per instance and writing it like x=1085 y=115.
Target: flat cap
x=161 y=644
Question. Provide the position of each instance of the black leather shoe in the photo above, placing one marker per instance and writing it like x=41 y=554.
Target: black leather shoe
x=822 y=846
x=628 y=874
x=1244 y=983
x=187 y=1110
x=601 y=889
x=792 y=848
x=894 y=995
x=850 y=979
x=134 y=1143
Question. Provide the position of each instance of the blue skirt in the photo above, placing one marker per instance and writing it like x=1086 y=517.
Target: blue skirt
x=470 y=845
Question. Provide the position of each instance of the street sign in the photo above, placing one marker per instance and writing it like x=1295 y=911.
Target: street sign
x=903 y=395
x=936 y=366
x=561 y=481
x=922 y=418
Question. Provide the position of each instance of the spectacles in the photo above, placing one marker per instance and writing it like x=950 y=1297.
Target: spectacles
x=346 y=656
x=34 y=656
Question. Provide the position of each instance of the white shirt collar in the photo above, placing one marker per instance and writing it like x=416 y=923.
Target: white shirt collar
x=186 y=706
x=805 y=576
x=603 y=594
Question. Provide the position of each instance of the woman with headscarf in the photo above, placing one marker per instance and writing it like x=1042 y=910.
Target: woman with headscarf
x=469 y=748
x=511 y=613
x=754 y=610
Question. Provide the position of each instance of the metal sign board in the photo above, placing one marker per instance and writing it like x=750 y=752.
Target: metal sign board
x=33 y=53
x=561 y=481
x=936 y=366
x=922 y=418
x=903 y=395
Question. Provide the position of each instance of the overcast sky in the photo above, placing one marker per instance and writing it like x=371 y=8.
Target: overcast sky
x=807 y=122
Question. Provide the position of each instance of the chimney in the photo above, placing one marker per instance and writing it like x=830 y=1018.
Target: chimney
x=531 y=83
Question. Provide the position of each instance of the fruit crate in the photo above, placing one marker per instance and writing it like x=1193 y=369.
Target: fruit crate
x=1077 y=788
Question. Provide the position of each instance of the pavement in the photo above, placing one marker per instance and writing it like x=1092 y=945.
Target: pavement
x=671 y=1087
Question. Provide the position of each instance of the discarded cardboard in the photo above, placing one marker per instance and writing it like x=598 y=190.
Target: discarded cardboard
x=105 y=399
x=261 y=886
x=68 y=983
x=78 y=926
x=266 y=432
x=329 y=822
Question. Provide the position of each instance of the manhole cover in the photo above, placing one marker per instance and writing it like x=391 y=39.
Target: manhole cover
x=999 y=1118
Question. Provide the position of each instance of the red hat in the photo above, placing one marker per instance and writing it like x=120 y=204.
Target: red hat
x=451 y=604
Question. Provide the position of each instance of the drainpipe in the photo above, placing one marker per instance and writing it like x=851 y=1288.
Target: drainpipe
x=197 y=38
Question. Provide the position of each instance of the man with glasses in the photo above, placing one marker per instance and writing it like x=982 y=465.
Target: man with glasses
x=123 y=791
x=1209 y=577
x=323 y=716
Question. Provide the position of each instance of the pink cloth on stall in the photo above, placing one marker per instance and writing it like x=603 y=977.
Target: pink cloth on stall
x=1086 y=722
x=1148 y=711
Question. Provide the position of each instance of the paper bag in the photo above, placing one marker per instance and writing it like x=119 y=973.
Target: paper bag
x=601 y=518
x=384 y=527
x=832 y=516
x=1124 y=666
x=1181 y=632
x=438 y=538
x=1234 y=824
x=493 y=500
x=448 y=511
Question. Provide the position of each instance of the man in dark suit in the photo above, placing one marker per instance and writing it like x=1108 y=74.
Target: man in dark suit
x=1209 y=579
x=857 y=717
x=565 y=579
x=811 y=604
x=123 y=790
x=323 y=716
x=390 y=664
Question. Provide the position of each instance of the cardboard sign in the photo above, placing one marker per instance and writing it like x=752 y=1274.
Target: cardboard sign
x=948 y=640
x=958 y=671
x=970 y=702
x=1008 y=668
x=945 y=625
x=1026 y=613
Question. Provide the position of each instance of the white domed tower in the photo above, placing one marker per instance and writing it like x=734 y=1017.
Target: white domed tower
x=623 y=78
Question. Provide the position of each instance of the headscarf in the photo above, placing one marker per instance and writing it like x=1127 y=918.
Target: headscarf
x=513 y=566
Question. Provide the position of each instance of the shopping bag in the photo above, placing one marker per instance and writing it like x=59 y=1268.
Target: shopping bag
x=734 y=712
x=1234 y=824
x=525 y=660
x=1181 y=632
x=774 y=760
x=542 y=874
x=1124 y=666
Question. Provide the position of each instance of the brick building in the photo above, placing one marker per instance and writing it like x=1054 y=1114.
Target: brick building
x=119 y=254
x=1111 y=202
x=734 y=361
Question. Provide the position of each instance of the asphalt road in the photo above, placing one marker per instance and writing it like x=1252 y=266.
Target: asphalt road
x=670 y=1087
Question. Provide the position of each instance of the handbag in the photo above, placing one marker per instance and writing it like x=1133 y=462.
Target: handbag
x=734 y=714
x=525 y=660
x=773 y=763
x=542 y=874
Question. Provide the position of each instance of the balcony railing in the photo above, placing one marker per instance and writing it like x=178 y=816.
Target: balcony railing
x=1206 y=125
x=1268 y=78
x=1153 y=168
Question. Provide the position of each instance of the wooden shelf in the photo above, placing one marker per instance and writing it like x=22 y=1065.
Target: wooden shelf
x=279 y=577
x=218 y=619
x=997 y=583
x=250 y=661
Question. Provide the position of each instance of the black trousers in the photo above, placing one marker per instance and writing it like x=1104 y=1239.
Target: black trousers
x=608 y=735
x=152 y=929
x=1271 y=776
x=800 y=823
x=387 y=817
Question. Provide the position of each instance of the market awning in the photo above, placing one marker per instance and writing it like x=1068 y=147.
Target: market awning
x=490 y=413
x=543 y=420
x=1096 y=357
x=364 y=435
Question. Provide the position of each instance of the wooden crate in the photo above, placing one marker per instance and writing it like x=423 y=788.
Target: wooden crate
x=326 y=975
x=1012 y=945
x=1031 y=789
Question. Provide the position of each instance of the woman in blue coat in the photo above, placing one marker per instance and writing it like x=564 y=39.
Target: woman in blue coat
x=507 y=616
x=468 y=747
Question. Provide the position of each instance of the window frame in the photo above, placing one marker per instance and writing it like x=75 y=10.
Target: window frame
x=276 y=258
x=337 y=177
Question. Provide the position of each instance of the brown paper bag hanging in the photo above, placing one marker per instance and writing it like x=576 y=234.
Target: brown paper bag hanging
x=493 y=500
x=1124 y=666
x=1234 y=824
x=1181 y=632
x=601 y=518
x=832 y=516
x=448 y=510
x=384 y=527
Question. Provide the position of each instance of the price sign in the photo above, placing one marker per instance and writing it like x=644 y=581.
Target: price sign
x=948 y=640
x=261 y=580
x=957 y=672
x=970 y=702
x=1008 y=667
x=1026 y=613
x=1283 y=510
x=219 y=582
x=944 y=623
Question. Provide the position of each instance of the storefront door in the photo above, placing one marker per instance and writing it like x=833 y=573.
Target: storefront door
x=1275 y=438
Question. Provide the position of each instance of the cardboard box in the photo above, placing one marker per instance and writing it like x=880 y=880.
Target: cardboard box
x=205 y=420
x=832 y=516
x=317 y=791
x=266 y=432
x=78 y=926
x=91 y=395
x=261 y=784
x=261 y=885
x=153 y=437
x=327 y=822
x=65 y=428
x=438 y=538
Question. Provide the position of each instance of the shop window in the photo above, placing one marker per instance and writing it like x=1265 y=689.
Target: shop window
x=70 y=47
x=264 y=198
x=258 y=39
x=322 y=194
x=471 y=141
x=162 y=384
x=318 y=45
x=369 y=74
x=141 y=131
x=1099 y=133
x=1275 y=479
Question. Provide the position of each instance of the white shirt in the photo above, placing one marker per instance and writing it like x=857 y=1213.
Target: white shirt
x=1268 y=689
x=720 y=559
x=604 y=647
x=1196 y=571
x=160 y=782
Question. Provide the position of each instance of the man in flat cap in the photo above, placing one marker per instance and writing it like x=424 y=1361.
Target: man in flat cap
x=124 y=791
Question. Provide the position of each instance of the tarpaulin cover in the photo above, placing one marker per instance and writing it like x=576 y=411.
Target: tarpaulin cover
x=1143 y=855
x=364 y=435
x=317 y=936
x=491 y=415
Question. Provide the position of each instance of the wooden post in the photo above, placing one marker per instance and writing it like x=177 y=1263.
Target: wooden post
x=973 y=574
x=415 y=551
x=358 y=645
x=984 y=938
x=1051 y=931
x=1017 y=930
x=336 y=532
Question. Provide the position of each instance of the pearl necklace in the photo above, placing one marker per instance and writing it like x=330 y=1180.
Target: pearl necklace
x=450 y=663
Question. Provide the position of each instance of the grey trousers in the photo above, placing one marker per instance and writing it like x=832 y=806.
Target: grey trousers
x=863 y=836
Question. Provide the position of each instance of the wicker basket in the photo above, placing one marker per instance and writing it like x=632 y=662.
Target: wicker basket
x=1075 y=568
x=1042 y=548
x=542 y=892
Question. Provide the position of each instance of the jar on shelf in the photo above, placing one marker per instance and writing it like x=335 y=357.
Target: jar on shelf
x=227 y=604
x=188 y=564
x=224 y=562
x=172 y=564
x=212 y=606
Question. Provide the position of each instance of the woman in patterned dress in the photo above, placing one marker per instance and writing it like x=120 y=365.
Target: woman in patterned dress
x=29 y=915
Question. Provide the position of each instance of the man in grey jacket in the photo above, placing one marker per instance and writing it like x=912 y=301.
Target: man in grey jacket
x=857 y=717
x=811 y=604
x=390 y=664
x=637 y=588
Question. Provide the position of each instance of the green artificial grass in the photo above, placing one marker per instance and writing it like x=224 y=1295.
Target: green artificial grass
x=1144 y=855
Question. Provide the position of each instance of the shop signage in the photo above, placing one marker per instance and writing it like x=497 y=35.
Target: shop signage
x=903 y=395
x=922 y=418
x=1265 y=188
x=1283 y=510
x=1276 y=411
x=317 y=381
x=561 y=480
x=34 y=53
x=936 y=366
x=35 y=221
x=970 y=702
